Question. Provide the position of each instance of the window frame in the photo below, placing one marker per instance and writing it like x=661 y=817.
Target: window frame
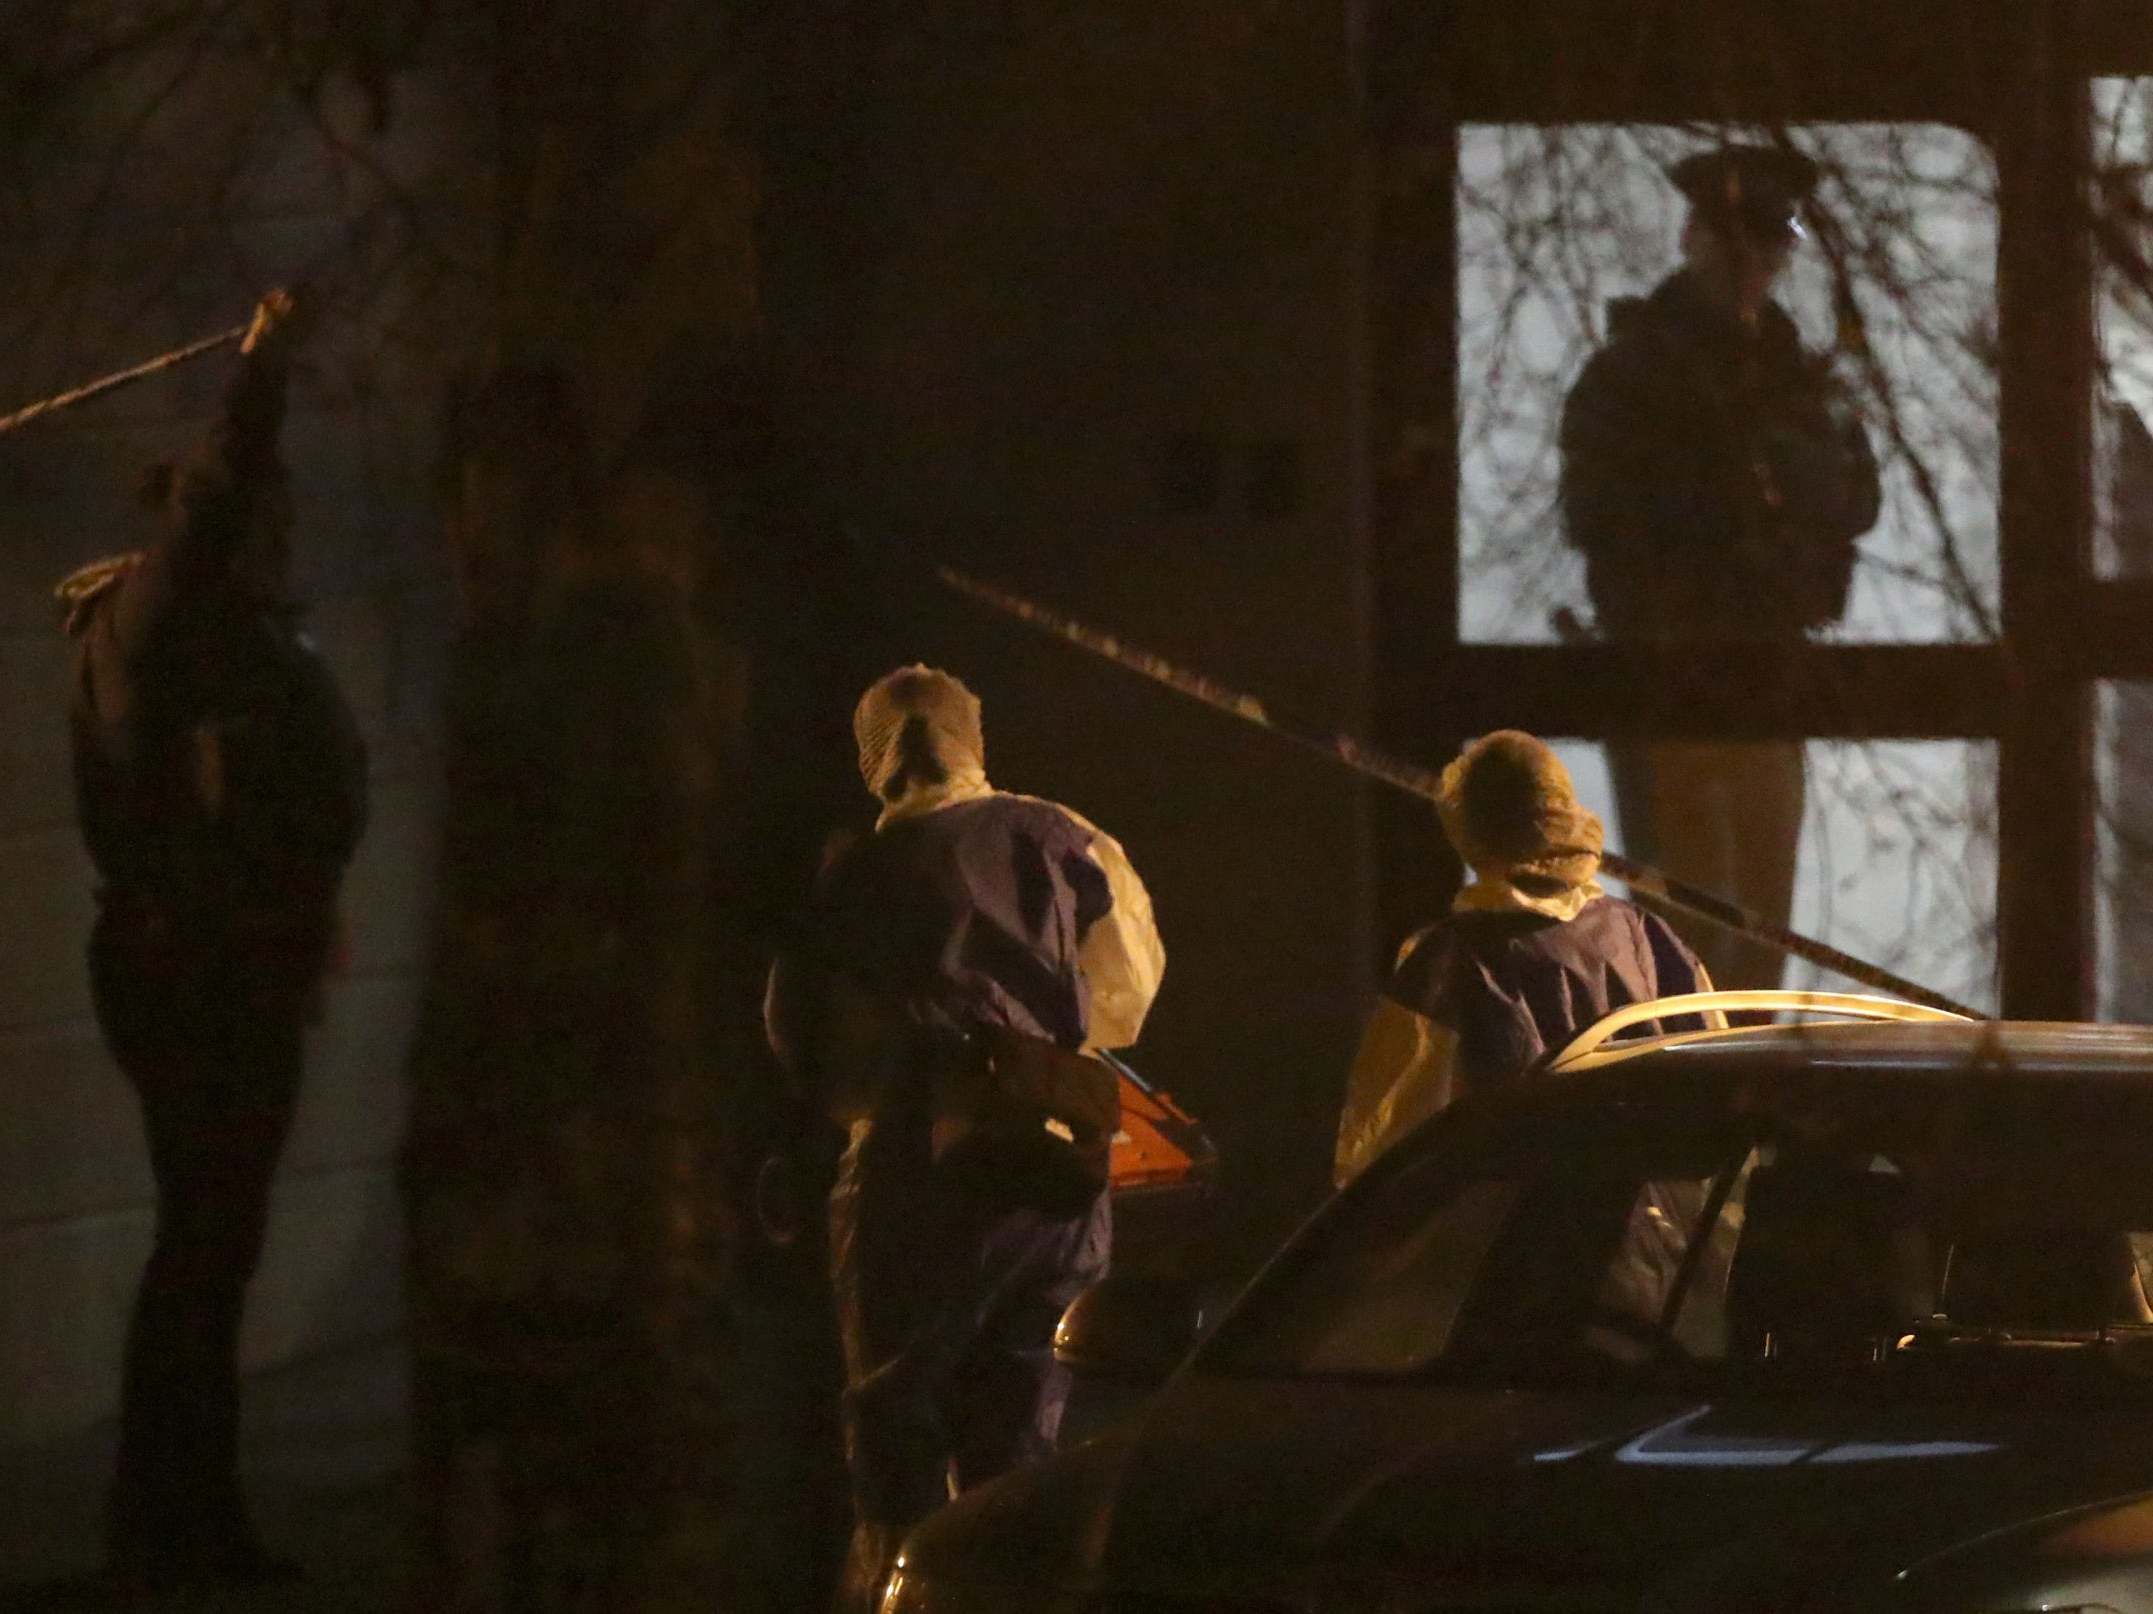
x=2021 y=82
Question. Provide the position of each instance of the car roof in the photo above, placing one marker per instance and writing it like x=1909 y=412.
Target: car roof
x=2059 y=1049
x=1892 y=1045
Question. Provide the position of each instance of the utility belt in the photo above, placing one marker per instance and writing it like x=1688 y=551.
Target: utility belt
x=1023 y=1122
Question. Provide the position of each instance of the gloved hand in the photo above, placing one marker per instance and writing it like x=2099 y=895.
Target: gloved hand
x=281 y=319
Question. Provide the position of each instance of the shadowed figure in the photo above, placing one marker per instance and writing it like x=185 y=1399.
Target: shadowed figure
x=221 y=784
x=1715 y=483
x=970 y=917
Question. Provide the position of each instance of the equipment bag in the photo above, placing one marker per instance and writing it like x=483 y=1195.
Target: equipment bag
x=1025 y=1123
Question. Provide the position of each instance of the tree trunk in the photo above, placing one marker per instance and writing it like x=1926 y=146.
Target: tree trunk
x=573 y=1242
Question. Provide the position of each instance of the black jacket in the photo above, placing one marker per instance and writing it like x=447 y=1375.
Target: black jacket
x=220 y=778
x=1708 y=476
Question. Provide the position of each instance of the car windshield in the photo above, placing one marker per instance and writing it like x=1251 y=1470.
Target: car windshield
x=1896 y=1230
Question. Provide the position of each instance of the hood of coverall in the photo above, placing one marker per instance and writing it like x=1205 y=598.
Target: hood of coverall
x=1509 y=808
x=918 y=729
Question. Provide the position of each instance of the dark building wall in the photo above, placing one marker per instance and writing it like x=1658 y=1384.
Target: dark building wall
x=1070 y=302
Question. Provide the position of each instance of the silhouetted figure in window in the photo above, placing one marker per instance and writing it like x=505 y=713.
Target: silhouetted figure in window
x=1716 y=485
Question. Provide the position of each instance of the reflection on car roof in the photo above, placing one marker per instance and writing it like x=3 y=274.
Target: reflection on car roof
x=1942 y=1047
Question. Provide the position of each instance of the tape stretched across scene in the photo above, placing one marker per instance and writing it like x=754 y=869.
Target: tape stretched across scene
x=1652 y=885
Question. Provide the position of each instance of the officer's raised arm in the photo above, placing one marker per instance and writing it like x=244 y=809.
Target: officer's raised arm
x=231 y=498
x=220 y=780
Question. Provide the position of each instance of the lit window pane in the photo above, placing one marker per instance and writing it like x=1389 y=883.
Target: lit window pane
x=1896 y=863
x=2123 y=851
x=2123 y=396
x=1553 y=223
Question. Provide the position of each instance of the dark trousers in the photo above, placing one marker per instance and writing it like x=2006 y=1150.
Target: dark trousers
x=211 y=1038
x=946 y=1309
x=1724 y=815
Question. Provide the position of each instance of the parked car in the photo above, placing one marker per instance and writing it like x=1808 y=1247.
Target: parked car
x=1792 y=1316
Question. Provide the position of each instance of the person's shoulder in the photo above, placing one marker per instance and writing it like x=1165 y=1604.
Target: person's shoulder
x=1629 y=334
x=1451 y=973
x=1605 y=912
x=1675 y=963
x=1609 y=926
x=1423 y=965
x=1016 y=801
x=1669 y=310
x=1641 y=332
x=84 y=593
x=1673 y=319
x=992 y=824
x=1644 y=919
x=858 y=868
x=1041 y=813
